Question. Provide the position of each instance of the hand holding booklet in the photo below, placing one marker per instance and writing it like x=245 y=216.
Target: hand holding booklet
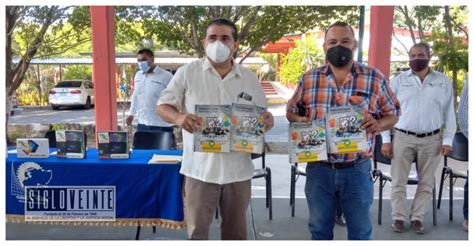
x=165 y=159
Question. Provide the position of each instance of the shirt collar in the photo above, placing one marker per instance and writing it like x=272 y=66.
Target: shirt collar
x=357 y=68
x=235 y=67
x=410 y=71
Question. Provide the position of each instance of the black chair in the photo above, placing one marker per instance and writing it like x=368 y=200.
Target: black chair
x=153 y=140
x=264 y=172
x=296 y=172
x=51 y=136
x=461 y=153
x=383 y=177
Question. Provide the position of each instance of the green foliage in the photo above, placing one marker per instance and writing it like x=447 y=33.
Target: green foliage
x=305 y=56
x=68 y=28
x=78 y=72
x=59 y=126
x=452 y=56
x=182 y=27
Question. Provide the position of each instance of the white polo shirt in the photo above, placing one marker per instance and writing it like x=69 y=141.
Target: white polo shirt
x=426 y=106
x=199 y=83
x=148 y=87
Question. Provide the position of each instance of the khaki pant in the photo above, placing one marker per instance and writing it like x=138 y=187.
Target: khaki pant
x=427 y=152
x=201 y=200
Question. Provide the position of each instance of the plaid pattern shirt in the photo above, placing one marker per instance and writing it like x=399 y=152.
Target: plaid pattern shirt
x=317 y=92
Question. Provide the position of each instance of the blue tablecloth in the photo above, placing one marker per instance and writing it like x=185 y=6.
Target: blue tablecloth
x=146 y=194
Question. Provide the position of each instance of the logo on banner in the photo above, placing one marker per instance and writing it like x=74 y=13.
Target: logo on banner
x=28 y=174
x=70 y=203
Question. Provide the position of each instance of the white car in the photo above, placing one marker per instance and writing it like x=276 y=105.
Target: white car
x=72 y=93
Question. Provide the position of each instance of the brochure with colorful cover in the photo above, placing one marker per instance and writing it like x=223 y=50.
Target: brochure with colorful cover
x=343 y=130
x=307 y=141
x=113 y=145
x=70 y=144
x=214 y=133
x=247 y=128
x=32 y=147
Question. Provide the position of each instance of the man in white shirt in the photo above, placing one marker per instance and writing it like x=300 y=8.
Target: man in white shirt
x=150 y=80
x=213 y=179
x=427 y=105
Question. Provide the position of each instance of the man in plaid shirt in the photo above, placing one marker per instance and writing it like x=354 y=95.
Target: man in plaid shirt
x=342 y=81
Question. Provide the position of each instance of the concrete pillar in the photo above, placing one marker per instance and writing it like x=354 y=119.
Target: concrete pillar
x=380 y=43
x=103 y=70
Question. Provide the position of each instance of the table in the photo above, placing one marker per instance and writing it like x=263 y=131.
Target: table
x=146 y=194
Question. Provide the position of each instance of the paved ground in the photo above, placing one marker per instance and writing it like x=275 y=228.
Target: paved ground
x=282 y=227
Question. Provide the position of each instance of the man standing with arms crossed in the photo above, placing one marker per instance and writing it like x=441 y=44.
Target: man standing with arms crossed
x=347 y=176
x=213 y=179
x=427 y=103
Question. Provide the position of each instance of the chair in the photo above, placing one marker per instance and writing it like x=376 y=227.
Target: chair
x=461 y=153
x=153 y=140
x=384 y=177
x=51 y=136
x=264 y=172
x=296 y=172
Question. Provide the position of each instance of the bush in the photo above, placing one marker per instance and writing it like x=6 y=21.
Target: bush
x=305 y=56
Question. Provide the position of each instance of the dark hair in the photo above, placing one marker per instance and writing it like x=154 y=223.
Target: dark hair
x=224 y=22
x=146 y=51
x=422 y=45
x=341 y=24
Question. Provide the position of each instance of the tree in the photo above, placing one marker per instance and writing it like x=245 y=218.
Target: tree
x=449 y=35
x=37 y=31
x=451 y=49
x=305 y=56
x=417 y=20
x=182 y=27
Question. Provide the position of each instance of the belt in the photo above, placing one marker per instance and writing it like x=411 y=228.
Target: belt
x=337 y=165
x=419 y=135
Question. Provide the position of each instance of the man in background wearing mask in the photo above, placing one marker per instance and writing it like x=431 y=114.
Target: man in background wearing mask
x=427 y=103
x=150 y=80
x=343 y=176
x=213 y=179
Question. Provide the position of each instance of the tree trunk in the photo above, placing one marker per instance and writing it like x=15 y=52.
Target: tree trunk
x=449 y=31
x=455 y=89
x=8 y=108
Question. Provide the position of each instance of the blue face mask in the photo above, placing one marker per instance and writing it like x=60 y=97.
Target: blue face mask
x=143 y=66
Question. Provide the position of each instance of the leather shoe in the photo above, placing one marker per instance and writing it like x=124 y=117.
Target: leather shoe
x=397 y=225
x=418 y=227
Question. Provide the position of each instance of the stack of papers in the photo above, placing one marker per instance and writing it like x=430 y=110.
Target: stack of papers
x=165 y=159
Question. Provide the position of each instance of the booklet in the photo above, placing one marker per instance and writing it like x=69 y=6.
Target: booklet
x=343 y=130
x=113 y=145
x=214 y=134
x=248 y=128
x=32 y=148
x=307 y=141
x=70 y=144
x=165 y=159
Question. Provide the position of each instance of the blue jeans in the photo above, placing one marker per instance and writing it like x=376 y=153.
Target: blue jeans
x=355 y=190
x=142 y=127
x=465 y=206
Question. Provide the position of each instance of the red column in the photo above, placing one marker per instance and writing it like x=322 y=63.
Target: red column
x=103 y=75
x=380 y=44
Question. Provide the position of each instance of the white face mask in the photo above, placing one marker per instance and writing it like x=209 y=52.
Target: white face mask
x=143 y=66
x=217 y=52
